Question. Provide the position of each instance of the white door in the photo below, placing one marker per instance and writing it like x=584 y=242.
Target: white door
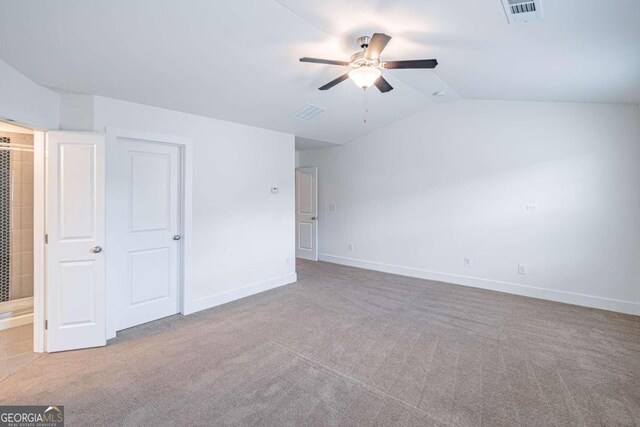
x=75 y=290
x=307 y=213
x=147 y=235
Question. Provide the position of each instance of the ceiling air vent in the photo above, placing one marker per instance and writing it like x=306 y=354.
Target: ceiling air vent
x=309 y=112
x=522 y=10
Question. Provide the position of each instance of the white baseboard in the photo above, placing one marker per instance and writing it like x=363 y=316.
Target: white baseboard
x=616 y=305
x=225 y=297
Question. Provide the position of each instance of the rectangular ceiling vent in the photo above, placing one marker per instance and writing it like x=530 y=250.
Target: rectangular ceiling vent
x=522 y=10
x=309 y=112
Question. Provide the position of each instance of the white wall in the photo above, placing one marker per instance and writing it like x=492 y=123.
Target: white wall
x=243 y=236
x=26 y=102
x=77 y=112
x=453 y=181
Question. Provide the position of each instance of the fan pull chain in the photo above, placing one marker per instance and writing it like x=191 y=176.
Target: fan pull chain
x=364 y=105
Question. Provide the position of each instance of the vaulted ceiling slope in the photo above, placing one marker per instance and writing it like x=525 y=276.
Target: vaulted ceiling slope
x=237 y=60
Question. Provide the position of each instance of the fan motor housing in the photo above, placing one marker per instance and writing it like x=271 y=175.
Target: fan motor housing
x=357 y=57
x=358 y=60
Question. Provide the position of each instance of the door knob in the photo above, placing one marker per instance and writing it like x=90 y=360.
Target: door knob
x=313 y=218
x=96 y=249
x=176 y=237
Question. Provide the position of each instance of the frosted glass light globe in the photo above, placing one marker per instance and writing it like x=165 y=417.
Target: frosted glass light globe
x=364 y=77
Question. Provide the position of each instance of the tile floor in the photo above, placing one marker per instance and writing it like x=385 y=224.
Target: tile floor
x=16 y=349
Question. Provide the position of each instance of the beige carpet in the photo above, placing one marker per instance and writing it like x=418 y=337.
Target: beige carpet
x=345 y=346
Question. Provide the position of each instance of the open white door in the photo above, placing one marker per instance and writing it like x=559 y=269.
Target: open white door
x=75 y=290
x=307 y=213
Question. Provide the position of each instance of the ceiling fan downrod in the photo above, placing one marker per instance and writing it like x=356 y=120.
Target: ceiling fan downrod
x=363 y=42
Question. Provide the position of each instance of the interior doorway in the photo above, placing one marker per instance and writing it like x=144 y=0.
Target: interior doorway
x=307 y=213
x=16 y=225
x=147 y=215
x=21 y=222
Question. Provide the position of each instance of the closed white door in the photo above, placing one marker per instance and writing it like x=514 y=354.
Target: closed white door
x=147 y=235
x=75 y=227
x=307 y=213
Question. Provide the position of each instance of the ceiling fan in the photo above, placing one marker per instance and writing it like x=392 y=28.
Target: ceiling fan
x=366 y=65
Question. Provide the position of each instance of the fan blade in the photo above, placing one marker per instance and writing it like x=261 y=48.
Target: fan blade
x=324 y=61
x=334 y=82
x=418 y=63
x=383 y=85
x=376 y=45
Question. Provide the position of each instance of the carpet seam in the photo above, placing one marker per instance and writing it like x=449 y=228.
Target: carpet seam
x=369 y=389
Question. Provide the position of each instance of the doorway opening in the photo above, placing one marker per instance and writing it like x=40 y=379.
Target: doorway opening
x=16 y=226
x=19 y=279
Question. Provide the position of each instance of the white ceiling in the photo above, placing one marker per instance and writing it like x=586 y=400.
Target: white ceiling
x=237 y=60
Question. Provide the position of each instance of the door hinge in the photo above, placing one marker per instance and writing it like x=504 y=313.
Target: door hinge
x=46 y=239
x=46 y=325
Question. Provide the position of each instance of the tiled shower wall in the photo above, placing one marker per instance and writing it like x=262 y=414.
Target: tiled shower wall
x=21 y=217
x=5 y=219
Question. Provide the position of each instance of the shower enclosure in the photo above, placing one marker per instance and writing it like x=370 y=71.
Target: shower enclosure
x=16 y=227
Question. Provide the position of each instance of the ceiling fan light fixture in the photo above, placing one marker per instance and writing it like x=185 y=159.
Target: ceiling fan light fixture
x=366 y=65
x=364 y=77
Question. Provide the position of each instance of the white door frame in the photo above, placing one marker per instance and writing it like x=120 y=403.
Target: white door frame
x=39 y=252
x=113 y=136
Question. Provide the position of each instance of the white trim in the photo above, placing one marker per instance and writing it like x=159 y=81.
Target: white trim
x=39 y=253
x=186 y=145
x=620 y=306
x=235 y=294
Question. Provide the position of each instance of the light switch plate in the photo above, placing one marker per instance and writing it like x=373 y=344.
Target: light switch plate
x=275 y=190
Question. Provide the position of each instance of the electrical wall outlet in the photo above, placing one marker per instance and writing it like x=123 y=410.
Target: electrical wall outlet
x=275 y=190
x=467 y=262
x=522 y=268
x=332 y=207
x=531 y=207
x=350 y=247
